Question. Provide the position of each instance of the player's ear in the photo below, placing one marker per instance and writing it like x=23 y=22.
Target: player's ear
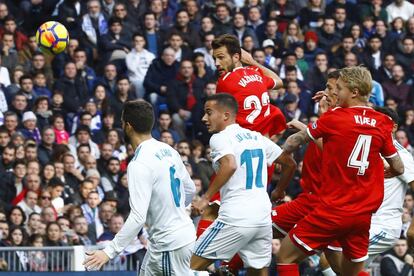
x=355 y=92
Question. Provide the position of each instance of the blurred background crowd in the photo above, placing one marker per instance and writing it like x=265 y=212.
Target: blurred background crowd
x=63 y=157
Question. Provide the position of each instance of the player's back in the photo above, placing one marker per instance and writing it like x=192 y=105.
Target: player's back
x=390 y=212
x=169 y=225
x=311 y=169
x=352 y=169
x=244 y=200
x=250 y=88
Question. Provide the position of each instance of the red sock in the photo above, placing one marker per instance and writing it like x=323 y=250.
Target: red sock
x=202 y=226
x=235 y=264
x=287 y=269
x=363 y=273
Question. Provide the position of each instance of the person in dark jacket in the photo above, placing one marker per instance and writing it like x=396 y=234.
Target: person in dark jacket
x=397 y=262
x=183 y=94
x=75 y=93
x=161 y=71
x=70 y=16
x=45 y=149
x=115 y=44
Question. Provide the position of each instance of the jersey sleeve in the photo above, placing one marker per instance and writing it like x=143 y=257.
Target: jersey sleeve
x=408 y=161
x=320 y=128
x=268 y=81
x=220 y=146
x=273 y=151
x=140 y=183
x=388 y=149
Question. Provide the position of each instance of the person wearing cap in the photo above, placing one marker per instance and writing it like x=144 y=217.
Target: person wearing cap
x=115 y=44
x=311 y=47
x=30 y=130
x=269 y=47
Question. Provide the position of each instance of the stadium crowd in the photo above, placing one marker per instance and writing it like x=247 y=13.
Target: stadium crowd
x=63 y=155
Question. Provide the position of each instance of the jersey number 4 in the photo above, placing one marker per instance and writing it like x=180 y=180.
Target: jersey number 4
x=359 y=155
x=247 y=158
x=175 y=187
x=257 y=104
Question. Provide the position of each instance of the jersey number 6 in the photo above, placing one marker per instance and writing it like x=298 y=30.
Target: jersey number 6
x=257 y=104
x=175 y=187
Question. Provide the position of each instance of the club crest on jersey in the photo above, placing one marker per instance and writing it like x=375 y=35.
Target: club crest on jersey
x=251 y=78
x=314 y=125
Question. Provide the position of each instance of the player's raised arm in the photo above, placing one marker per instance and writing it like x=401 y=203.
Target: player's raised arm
x=288 y=170
x=296 y=140
x=247 y=58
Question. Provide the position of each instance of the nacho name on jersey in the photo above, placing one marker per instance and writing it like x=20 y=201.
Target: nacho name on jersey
x=250 y=78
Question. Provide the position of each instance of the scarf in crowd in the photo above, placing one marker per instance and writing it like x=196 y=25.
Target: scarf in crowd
x=88 y=28
x=191 y=100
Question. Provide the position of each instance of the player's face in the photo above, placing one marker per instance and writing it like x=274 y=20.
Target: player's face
x=214 y=117
x=344 y=94
x=224 y=61
x=331 y=94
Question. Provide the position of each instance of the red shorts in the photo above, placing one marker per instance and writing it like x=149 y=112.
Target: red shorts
x=323 y=226
x=287 y=215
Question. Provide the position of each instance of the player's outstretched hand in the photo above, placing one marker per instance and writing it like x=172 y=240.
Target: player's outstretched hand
x=318 y=96
x=198 y=207
x=95 y=260
x=295 y=123
x=277 y=195
x=247 y=58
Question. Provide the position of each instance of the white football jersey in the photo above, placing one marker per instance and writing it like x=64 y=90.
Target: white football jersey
x=160 y=188
x=244 y=200
x=390 y=212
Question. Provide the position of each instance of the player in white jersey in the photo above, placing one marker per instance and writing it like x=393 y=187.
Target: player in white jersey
x=386 y=223
x=240 y=158
x=160 y=188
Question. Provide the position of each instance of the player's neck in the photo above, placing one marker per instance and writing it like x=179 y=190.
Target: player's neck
x=357 y=102
x=138 y=139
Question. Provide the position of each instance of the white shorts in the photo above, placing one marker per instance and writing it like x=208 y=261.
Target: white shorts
x=381 y=239
x=221 y=242
x=176 y=262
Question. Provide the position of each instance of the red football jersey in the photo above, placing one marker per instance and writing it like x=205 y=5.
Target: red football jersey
x=352 y=168
x=311 y=169
x=249 y=86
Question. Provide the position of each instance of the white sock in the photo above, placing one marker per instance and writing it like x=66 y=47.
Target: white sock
x=328 y=272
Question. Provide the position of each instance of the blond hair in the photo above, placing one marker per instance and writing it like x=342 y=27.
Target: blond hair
x=357 y=77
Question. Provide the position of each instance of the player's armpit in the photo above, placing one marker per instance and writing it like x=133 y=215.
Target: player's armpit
x=228 y=166
x=296 y=140
x=396 y=165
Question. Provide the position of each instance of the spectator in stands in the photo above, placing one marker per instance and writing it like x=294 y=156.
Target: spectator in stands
x=108 y=80
x=8 y=52
x=33 y=223
x=400 y=8
x=318 y=74
x=310 y=15
x=138 y=62
x=90 y=210
x=402 y=138
x=405 y=57
x=387 y=37
x=152 y=34
x=62 y=136
x=48 y=173
x=38 y=65
x=4 y=138
x=10 y=26
x=116 y=44
x=183 y=94
x=110 y=178
x=30 y=151
x=120 y=12
x=94 y=25
x=159 y=73
x=81 y=227
x=106 y=153
x=396 y=88
x=188 y=33
x=122 y=94
x=222 y=18
x=240 y=29
x=56 y=188
x=29 y=130
x=182 y=51
x=113 y=138
x=105 y=214
x=45 y=148
x=53 y=235
x=85 y=73
x=75 y=93
x=16 y=216
x=165 y=123
x=12 y=184
x=29 y=204
x=398 y=261
x=207 y=50
x=83 y=136
x=328 y=38
x=7 y=158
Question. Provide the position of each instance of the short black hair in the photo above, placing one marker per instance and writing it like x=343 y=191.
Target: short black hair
x=389 y=112
x=55 y=182
x=334 y=74
x=139 y=114
x=225 y=100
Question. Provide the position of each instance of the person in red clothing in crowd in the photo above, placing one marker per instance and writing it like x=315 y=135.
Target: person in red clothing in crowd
x=250 y=86
x=352 y=172
x=10 y=26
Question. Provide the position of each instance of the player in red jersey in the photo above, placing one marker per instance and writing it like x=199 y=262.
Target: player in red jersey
x=354 y=136
x=249 y=85
x=286 y=216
